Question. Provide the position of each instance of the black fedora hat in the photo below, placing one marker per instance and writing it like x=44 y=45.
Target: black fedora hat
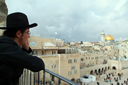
x=17 y=20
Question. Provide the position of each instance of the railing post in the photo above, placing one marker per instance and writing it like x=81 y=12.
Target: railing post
x=20 y=80
x=32 y=78
x=26 y=80
x=38 y=78
x=28 y=77
x=24 y=76
x=59 y=82
x=43 y=77
x=51 y=79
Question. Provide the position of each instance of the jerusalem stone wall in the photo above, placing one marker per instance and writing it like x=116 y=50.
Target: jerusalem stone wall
x=125 y=64
x=3 y=14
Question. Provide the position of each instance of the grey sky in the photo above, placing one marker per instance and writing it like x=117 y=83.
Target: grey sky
x=75 y=20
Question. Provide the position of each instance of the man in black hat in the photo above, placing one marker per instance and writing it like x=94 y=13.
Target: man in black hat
x=14 y=50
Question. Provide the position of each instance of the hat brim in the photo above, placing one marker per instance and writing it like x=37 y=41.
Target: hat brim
x=28 y=26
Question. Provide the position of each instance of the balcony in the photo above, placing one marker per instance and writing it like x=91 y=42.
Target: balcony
x=49 y=47
x=33 y=78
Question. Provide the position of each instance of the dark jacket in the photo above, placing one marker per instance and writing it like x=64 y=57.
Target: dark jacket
x=13 y=60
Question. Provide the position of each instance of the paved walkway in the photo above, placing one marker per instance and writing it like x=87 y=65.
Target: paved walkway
x=101 y=79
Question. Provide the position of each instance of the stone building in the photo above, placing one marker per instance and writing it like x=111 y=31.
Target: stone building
x=3 y=15
x=91 y=60
x=61 y=60
x=86 y=46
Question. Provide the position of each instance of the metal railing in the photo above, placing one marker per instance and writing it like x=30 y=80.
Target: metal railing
x=33 y=78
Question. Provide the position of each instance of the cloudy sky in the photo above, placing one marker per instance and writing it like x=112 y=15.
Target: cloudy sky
x=75 y=20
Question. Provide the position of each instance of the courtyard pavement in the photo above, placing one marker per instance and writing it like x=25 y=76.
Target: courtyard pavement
x=102 y=82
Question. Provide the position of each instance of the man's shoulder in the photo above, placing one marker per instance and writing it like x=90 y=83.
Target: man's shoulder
x=7 y=44
x=6 y=39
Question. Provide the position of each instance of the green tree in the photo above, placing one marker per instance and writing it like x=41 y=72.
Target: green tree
x=81 y=42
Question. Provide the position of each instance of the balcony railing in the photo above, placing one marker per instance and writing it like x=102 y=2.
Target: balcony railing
x=33 y=78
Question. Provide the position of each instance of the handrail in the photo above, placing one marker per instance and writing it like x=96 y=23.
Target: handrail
x=29 y=78
x=61 y=78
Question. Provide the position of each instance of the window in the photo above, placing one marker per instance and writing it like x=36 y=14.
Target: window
x=42 y=52
x=33 y=43
x=70 y=61
x=70 y=51
x=82 y=59
x=69 y=72
x=101 y=56
x=53 y=66
x=73 y=67
x=34 y=52
x=96 y=57
x=53 y=52
x=75 y=60
x=88 y=57
x=75 y=71
x=92 y=57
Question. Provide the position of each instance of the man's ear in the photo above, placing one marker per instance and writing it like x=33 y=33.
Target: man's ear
x=18 y=34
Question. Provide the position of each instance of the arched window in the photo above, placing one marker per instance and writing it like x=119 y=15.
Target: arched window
x=34 y=52
x=114 y=68
x=99 y=70
x=108 y=67
x=91 y=72
x=95 y=70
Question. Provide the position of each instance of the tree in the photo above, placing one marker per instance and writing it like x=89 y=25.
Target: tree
x=81 y=42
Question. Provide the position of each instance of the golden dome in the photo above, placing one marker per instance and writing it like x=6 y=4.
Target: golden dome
x=109 y=37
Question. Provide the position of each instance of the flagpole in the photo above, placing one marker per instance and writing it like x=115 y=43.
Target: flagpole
x=55 y=34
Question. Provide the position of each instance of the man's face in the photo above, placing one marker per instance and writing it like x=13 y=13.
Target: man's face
x=24 y=37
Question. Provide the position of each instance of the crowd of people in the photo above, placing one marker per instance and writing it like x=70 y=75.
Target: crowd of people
x=109 y=77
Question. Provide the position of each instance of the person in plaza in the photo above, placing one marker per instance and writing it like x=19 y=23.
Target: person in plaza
x=14 y=50
x=104 y=80
x=118 y=83
x=117 y=79
x=113 y=74
x=120 y=77
x=109 y=79
x=121 y=74
x=98 y=83
x=109 y=74
x=114 y=78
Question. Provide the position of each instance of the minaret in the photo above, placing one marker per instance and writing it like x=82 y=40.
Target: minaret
x=102 y=37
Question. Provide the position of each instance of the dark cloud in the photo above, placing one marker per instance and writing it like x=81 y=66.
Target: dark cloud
x=75 y=20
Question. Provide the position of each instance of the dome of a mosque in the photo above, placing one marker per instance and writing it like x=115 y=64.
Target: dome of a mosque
x=72 y=42
x=109 y=37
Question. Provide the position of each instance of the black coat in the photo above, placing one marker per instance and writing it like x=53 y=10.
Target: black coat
x=13 y=60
